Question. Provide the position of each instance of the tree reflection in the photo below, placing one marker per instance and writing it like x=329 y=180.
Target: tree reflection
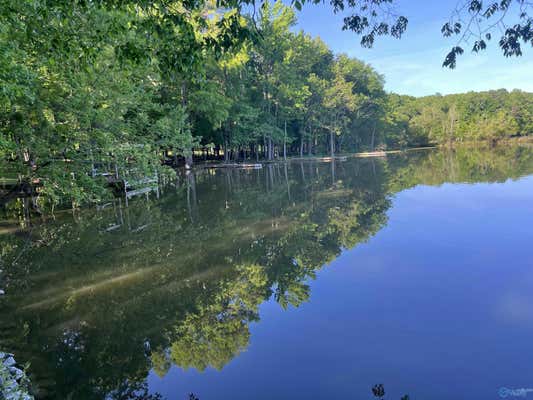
x=96 y=301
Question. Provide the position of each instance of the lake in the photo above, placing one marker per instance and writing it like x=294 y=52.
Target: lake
x=304 y=280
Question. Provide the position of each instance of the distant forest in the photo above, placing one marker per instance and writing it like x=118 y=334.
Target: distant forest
x=145 y=85
x=473 y=116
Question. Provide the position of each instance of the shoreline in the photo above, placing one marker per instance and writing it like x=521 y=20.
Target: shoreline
x=14 y=384
x=257 y=164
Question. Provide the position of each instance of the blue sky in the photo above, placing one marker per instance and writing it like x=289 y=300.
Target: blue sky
x=412 y=65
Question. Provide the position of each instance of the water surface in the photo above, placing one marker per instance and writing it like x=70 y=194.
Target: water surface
x=299 y=281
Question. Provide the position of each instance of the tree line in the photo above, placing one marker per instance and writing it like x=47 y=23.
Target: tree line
x=131 y=84
x=475 y=116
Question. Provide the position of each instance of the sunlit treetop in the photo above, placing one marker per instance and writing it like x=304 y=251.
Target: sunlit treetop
x=219 y=24
x=473 y=22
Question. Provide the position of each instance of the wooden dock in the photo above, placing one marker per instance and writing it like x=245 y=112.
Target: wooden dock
x=375 y=153
x=319 y=159
x=234 y=165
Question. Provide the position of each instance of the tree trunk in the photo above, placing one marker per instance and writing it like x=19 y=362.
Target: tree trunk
x=188 y=161
x=192 y=203
x=285 y=143
x=332 y=143
x=373 y=136
x=287 y=182
x=226 y=154
x=271 y=176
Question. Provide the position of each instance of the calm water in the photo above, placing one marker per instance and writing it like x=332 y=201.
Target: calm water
x=307 y=281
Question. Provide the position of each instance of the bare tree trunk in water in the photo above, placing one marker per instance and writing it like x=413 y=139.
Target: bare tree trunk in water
x=270 y=148
x=373 y=135
x=301 y=145
x=226 y=154
x=332 y=143
x=266 y=178
x=303 y=171
x=192 y=204
x=188 y=161
x=229 y=186
x=287 y=182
